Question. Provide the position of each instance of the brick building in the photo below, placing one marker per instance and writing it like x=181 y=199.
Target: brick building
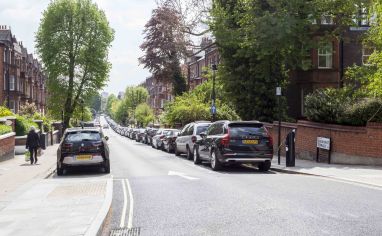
x=21 y=79
x=159 y=93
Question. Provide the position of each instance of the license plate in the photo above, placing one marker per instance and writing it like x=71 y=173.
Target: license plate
x=83 y=157
x=252 y=141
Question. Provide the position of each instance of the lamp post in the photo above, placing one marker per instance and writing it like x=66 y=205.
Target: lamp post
x=278 y=94
x=82 y=106
x=213 y=105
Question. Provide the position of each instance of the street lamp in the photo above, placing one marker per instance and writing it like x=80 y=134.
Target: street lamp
x=279 y=94
x=82 y=106
x=213 y=105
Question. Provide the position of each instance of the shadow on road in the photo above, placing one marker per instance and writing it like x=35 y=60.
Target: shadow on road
x=82 y=172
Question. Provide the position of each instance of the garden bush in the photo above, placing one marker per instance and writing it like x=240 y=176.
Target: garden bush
x=4 y=129
x=4 y=111
x=359 y=113
x=23 y=125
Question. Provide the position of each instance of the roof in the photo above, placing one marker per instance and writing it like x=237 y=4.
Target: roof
x=6 y=36
x=76 y=129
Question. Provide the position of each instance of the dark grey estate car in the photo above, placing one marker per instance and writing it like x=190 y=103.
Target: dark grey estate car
x=188 y=136
x=83 y=147
x=227 y=142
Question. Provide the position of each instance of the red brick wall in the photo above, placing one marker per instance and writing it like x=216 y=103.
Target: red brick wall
x=7 y=147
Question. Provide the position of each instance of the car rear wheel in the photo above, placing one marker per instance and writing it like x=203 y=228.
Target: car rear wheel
x=189 y=154
x=196 y=156
x=60 y=171
x=264 y=166
x=215 y=163
x=107 y=166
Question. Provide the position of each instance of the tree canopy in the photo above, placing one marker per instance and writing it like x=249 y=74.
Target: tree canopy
x=73 y=41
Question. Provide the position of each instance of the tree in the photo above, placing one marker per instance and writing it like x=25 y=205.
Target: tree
x=134 y=96
x=165 y=44
x=109 y=104
x=73 y=41
x=260 y=42
x=144 y=114
x=95 y=102
x=28 y=109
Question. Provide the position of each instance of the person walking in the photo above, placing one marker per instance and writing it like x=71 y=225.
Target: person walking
x=33 y=143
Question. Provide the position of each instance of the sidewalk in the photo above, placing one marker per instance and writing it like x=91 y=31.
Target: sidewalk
x=31 y=205
x=16 y=173
x=369 y=175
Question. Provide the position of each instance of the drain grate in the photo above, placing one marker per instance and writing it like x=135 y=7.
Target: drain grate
x=135 y=231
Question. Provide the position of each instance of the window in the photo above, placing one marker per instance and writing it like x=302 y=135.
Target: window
x=12 y=83
x=201 y=129
x=366 y=52
x=12 y=106
x=5 y=81
x=216 y=129
x=190 y=130
x=5 y=56
x=326 y=20
x=325 y=56
x=183 y=132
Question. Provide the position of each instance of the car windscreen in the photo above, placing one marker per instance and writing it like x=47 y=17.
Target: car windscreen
x=246 y=129
x=83 y=136
x=201 y=128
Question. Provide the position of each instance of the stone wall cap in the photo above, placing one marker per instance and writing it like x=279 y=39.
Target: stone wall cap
x=38 y=121
x=4 y=136
x=2 y=119
x=10 y=117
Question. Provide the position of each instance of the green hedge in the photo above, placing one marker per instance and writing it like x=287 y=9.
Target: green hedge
x=4 y=111
x=342 y=106
x=23 y=125
x=4 y=129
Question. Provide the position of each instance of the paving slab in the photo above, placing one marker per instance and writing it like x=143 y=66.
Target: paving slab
x=369 y=175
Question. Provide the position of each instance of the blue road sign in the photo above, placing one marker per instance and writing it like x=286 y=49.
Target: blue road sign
x=213 y=109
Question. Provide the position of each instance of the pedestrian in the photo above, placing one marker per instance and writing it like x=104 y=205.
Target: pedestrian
x=33 y=144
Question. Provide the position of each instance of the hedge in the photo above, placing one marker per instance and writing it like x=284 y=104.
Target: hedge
x=4 y=129
x=23 y=125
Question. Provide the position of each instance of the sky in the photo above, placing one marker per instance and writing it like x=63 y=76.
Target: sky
x=126 y=17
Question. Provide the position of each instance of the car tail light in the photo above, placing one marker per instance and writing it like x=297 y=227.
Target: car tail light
x=67 y=146
x=174 y=139
x=193 y=139
x=269 y=138
x=161 y=137
x=97 y=144
x=225 y=140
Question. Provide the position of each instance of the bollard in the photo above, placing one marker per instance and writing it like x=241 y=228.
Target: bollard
x=290 y=149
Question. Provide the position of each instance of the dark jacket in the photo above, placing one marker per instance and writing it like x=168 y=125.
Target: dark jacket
x=33 y=140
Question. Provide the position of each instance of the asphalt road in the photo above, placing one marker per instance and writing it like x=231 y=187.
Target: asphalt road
x=167 y=195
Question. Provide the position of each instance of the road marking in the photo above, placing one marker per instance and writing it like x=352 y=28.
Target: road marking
x=123 y=214
x=180 y=174
x=131 y=209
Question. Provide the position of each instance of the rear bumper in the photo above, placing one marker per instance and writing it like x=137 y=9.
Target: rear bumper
x=245 y=158
x=70 y=161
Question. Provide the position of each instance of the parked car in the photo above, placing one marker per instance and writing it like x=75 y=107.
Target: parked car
x=230 y=142
x=83 y=147
x=169 y=140
x=105 y=126
x=140 y=135
x=188 y=136
x=133 y=134
x=157 y=140
x=150 y=133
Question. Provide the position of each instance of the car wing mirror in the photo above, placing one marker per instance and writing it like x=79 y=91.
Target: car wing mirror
x=203 y=135
x=106 y=138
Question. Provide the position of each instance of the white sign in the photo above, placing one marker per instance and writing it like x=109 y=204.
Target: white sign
x=323 y=143
x=278 y=91
x=9 y=122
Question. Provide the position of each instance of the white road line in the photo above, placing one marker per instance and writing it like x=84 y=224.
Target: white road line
x=180 y=174
x=131 y=209
x=123 y=214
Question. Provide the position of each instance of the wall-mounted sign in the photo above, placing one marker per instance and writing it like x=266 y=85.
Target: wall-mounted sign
x=278 y=91
x=323 y=143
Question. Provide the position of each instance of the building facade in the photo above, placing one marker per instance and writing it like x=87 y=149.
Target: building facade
x=159 y=93
x=21 y=79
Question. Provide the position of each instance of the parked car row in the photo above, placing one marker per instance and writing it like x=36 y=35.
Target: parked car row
x=220 y=143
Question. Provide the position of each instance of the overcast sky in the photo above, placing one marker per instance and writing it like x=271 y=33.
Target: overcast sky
x=126 y=17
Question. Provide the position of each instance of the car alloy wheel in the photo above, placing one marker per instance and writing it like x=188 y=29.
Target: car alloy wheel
x=215 y=164
x=196 y=156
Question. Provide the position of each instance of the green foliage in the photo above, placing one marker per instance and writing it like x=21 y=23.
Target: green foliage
x=77 y=115
x=134 y=96
x=4 y=129
x=109 y=104
x=196 y=105
x=327 y=105
x=342 y=106
x=23 y=125
x=94 y=102
x=73 y=41
x=4 y=111
x=46 y=121
x=144 y=114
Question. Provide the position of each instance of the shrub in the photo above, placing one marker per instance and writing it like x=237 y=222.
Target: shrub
x=4 y=111
x=327 y=105
x=4 y=129
x=46 y=121
x=361 y=112
x=23 y=125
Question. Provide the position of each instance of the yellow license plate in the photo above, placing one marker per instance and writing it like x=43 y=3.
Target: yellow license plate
x=83 y=157
x=252 y=141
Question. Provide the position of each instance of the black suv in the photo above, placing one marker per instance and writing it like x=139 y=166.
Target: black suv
x=227 y=142
x=188 y=136
x=83 y=147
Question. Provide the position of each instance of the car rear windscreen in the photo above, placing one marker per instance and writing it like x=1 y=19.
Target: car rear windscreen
x=201 y=128
x=83 y=136
x=246 y=129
